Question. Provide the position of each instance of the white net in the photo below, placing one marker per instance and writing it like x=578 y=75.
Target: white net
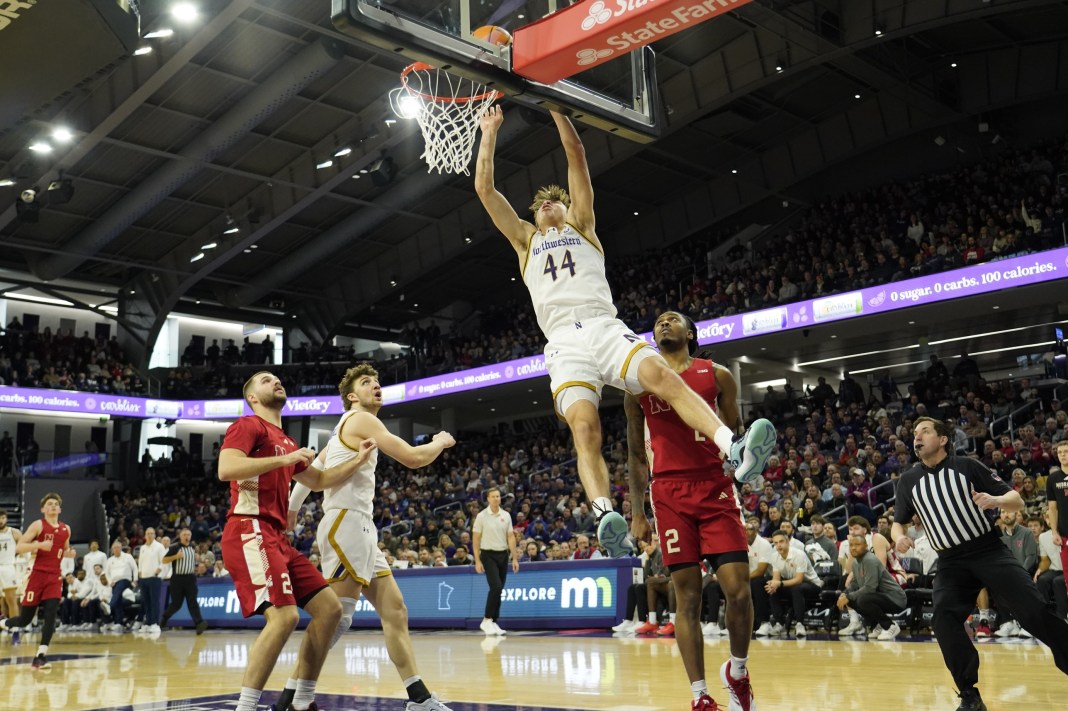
x=447 y=109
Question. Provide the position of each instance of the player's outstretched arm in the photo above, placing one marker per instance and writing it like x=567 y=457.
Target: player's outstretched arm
x=364 y=425
x=637 y=467
x=236 y=465
x=504 y=217
x=579 y=183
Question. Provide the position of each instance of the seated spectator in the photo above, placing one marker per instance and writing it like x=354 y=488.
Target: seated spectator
x=531 y=553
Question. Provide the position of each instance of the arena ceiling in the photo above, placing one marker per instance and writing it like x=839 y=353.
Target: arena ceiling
x=223 y=124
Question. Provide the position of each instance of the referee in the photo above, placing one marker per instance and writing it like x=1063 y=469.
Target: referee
x=494 y=543
x=183 y=587
x=951 y=494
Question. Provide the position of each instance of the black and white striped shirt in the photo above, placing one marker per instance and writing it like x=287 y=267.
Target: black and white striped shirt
x=942 y=496
x=187 y=564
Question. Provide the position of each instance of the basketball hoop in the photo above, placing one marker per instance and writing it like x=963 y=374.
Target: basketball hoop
x=447 y=108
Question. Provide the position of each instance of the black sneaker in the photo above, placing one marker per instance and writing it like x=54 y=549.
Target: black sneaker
x=40 y=662
x=285 y=700
x=201 y=626
x=971 y=701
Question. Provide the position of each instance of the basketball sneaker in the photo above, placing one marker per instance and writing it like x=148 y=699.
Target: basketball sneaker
x=749 y=454
x=890 y=633
x=647 y=628
x=854 y=627
x=613 y=532
x=431 y=704
x=666 y=630
x=705 y=703
x=983 y=630
x=40 y=662
x=741 y=693
x=971 y=701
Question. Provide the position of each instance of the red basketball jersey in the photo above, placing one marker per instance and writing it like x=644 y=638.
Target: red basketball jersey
x=48 y=561
x=265 y=496
x=678 y=449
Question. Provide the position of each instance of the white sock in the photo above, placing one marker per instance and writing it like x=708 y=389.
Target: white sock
x=698 y=689
x=724 y=438
x=348 y=609
x=854 y=617
x=652 y=617
x=250 y=698
x=601 y=506
x=671 y=617
x=984 y=615
x=305 y=694
x=291 y=683
x=738 y=670
x=43 y=649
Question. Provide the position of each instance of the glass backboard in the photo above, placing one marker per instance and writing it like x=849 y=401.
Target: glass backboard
x=619 y=96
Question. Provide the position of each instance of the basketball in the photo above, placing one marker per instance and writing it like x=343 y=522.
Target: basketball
x=494 y=35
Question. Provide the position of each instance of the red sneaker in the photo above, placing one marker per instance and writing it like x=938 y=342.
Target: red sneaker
x=667 y=630
x=741 y=693
x=705 y=703
x=983 y=630
x=647 y=628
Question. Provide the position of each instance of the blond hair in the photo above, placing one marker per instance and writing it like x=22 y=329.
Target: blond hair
x=349 y=380
x=51 y=495
x=550 y=192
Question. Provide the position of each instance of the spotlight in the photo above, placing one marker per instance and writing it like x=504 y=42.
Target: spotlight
x=185 y=12
x=325 y=164
x=59 y=192
x=6 y=182
x=383 y=171
x=231 y=230
x=142 y=51
x=209 y=245
x=40 y=147
x=196 y=257
x=342 y=152
x=26 y=207
x=166 y=32
x=62 y=134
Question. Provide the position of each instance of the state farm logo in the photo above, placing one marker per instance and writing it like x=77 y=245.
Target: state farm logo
x=599 y=14
x=591 y=56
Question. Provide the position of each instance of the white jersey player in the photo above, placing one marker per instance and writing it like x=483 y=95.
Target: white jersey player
x=348 y=541
x=10 y=575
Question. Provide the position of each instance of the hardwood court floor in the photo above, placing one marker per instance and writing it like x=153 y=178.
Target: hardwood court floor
x=570 y=671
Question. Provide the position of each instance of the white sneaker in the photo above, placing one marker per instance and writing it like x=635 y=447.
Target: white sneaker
x=1023 y=633
x=799 y=630
x=431 y=704
x=711 y=629
x=890 y=633
x=487 y=626
x=1009 y=629
x=497 y=630
x=851 y=629
x=624 y=626
x=777 y=630
x=765 y=630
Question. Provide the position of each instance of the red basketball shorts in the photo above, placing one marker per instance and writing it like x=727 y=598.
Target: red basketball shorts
x=41 y=587
x=695 y=518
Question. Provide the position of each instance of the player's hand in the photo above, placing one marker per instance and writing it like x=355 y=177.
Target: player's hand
x=304 y=455
x=842 y=602
x=45 y=545
x=515 y=565
x=366 y=447
x=491 y=120
x=903 y=544
x=445 y=438
x=1057 y=540
x=984 y=500
x=479 y=568
x=639 y=527
x=291 y=521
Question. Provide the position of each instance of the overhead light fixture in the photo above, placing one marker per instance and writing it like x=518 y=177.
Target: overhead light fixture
x=467 y=240
x=856 y=96
x=59 y=192
x=142 y=51
x=886 y=367
x=953 y=65
x=210 y=245
x=392 y=282
x=855 y=355
x=185 y=12
x=232 y=230
x=248 y=251
x=27 y=208
x=41 y=147
x=635 y=213
x=407 y=106
x=734 y=171
x=778 y=68
x=254 y=246
x=196 y=257
x=939 y=141
x=157 y=34
x=878 y=32
x=357 y=176
x=390 y=122
x=62 y=134
x=383 y=171
x=6 y=182
x=38 y=299
x=324 y=164
x=1014 y=348
x=342 y=152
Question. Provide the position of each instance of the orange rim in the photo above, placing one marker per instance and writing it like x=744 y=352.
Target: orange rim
x=491 y=94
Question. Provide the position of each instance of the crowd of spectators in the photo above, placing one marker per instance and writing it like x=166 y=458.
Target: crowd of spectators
x=38 y=358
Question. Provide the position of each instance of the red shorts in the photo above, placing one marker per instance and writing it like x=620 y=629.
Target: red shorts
x=41 y=587
x=695 y=518
x=267 y=570
x=1064 y=560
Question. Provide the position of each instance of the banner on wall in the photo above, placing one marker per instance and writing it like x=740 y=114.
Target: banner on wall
x=970 y=281
x=548 y=595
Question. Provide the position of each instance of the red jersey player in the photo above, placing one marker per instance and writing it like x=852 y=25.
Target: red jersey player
x=695 y=508
x=270 y=576
x=49 y=540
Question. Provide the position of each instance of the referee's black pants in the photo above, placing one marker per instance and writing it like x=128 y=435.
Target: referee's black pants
x=496 y=565
x=962 y=572
x=183 y=588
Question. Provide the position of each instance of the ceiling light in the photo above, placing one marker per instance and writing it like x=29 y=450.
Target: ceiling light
x=41 y=147
x=886 y=367
x=38 y=299
x=855 y=355
x=357 y=176
x=210 y=245
x=1014 y=348
x=185 y=11
x=254 y=246
x=248 y=251
x=232 y=230
x=390 y=122
x=324 y=164
x=6 y=182
x=392 y=282
x=142 y=51
x=133 y=291
x=856 y=96
x=196 y=258
x=198 y=301
x=166 y=32
x=513 y=278
x=408 y=107
x=62 y=134
x=734 y=171
x=778 y=67
x=363 y=171
x=342 y=152
x=635 y=213
x=878 y=33
x=467 y=240
x=953 y=65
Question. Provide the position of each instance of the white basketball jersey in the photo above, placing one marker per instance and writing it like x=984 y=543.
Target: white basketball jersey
x=358 y=491
x=7 y=546
x=564 y=273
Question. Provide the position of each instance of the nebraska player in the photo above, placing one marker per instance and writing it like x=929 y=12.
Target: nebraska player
x=695 y=507
x=271 y=578
x=49 y=540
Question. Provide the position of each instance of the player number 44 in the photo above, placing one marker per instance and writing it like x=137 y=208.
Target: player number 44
x=566 y=263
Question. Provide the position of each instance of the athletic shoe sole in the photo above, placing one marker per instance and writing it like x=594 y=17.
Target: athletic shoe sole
x=759 y=442
x=612 y=532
